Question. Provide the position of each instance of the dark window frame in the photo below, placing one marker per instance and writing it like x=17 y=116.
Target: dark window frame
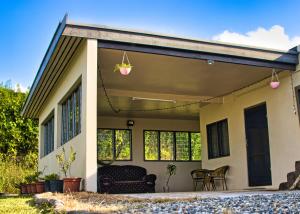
x=209 y=144
x=174 y=146
x=69 y=126
x=48 y=127
x=297 y=95
x=114 y=143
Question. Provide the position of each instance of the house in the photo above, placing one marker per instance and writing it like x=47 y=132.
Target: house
x=179 y=91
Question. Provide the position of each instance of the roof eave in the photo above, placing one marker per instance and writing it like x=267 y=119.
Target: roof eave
x=58 y=33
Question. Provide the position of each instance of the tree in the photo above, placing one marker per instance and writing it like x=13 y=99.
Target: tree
x=18 y=135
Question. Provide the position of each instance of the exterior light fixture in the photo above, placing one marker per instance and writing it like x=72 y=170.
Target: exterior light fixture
x=130 y=123
x=153 y=99
x=210 y=61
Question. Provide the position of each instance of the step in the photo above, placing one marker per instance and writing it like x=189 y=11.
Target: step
x=291 y=177
x=283 y=186
x=297 y=166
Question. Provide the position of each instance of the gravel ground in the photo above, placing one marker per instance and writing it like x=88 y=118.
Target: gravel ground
x=282 y=202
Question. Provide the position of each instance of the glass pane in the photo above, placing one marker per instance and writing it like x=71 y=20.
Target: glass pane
x=77 y=112
x=182 y=146
x=70 y=113
x=224 y=139
x=213 y=141
x=105 y=144
x=123 y=144
x=45 y=139
x=196 y=146
x=151 y=145
x=166 y=146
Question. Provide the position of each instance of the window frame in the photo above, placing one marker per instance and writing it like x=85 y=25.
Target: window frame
x=297 y=90
x=174 y=146
x=49 y=119
x=209 y=155
x=69 y=102
x=114 y=142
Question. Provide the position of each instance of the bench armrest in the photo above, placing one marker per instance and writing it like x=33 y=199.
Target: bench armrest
x=150 y=179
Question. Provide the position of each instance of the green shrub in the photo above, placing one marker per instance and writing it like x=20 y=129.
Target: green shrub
x=12 y=173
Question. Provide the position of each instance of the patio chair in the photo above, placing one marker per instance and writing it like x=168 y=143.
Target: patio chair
x=200 y=176
x=219 y=174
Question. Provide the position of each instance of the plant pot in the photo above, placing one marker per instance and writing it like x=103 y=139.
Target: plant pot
x=72 y=184
x=275 y=84
x=33 y=188
x=54 y=186
x=23 y=189
x=28 y=188
x=40 y=187
x=125 y=71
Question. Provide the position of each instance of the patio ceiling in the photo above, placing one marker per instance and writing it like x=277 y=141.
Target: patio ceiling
x=170 y=78
x=164 y=65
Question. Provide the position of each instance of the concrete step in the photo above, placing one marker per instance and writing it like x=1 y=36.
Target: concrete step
x=283 y=186
x=291 y=177
x=297 y=166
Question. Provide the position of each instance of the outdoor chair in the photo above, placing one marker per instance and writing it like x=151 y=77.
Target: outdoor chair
x=219 y=174
x=200 y=176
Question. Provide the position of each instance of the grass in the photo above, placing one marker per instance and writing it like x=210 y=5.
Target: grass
x=22 y=205
x=12 y=174
x=102 y=203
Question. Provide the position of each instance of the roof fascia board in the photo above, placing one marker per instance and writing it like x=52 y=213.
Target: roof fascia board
x=141 y=38
x=194 y=55
x=54 y=41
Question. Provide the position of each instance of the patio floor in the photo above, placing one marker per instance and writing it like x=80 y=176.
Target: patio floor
x=203 y=194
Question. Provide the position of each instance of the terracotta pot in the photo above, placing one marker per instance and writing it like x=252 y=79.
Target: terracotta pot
x=23 y=189
x=72 y=184
x=274 y=85
x=28 y=188
x=125 y=71
x=33 y=188
x=40 y=187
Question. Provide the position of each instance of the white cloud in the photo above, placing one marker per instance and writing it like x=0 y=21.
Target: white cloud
x=275 y=38
x=20 y=88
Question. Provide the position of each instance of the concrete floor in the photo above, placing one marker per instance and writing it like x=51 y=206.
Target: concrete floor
x=202 y=194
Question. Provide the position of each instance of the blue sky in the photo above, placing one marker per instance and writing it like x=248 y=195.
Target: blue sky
x=27 y=26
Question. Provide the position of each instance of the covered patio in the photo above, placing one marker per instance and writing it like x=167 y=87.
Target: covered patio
x=180 y=90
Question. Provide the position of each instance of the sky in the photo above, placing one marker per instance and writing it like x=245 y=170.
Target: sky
x=27 y=26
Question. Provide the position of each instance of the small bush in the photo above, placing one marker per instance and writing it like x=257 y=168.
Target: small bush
x=13 y=173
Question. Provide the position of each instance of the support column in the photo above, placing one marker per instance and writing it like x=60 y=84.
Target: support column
x=89 y=109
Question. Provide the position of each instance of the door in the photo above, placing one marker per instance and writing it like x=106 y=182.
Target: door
x=258 y=151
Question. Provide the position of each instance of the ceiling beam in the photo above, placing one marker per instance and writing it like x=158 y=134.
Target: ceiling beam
x=161 y=96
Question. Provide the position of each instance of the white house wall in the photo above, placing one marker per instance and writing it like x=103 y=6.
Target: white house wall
x=82 y=66
x=283 y=125
x=182 y=181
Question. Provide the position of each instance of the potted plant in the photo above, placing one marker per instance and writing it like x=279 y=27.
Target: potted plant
x=171 y=170
x=71 y=184
x=124 y=67
x=52 y=183
x=23 y=188
x=29 y=186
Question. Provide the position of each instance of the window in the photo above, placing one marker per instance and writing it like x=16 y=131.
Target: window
x=71 y=115
x=297 y=94
x=48 y=135
x=217 y=139
x=172 y=146
x=114 y=144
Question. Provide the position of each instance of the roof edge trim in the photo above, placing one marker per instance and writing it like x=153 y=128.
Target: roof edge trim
x=58 y=33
